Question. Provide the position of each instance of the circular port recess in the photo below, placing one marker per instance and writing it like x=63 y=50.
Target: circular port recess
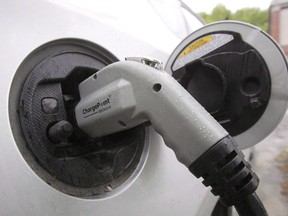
x=42 y=98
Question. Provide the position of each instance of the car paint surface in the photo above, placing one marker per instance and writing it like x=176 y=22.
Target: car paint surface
x=164 y=187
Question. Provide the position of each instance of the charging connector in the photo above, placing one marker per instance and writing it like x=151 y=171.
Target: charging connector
x=126 y=94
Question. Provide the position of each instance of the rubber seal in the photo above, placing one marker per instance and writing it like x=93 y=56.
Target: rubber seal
x=224 y=168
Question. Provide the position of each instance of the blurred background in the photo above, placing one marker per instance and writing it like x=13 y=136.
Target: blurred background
x=270 y=158
x=270 y=15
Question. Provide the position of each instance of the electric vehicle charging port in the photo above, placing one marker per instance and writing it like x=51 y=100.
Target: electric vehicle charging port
x=58 y=151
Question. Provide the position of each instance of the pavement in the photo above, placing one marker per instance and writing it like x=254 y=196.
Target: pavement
x=271 y=165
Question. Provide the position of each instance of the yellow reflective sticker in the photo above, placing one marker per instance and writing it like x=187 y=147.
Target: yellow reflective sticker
x=195 y=45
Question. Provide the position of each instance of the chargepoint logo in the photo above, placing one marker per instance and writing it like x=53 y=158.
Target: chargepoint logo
x=99 y=107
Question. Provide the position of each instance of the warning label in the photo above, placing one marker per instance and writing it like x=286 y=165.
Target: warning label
x=195 y=45
x=201 y=47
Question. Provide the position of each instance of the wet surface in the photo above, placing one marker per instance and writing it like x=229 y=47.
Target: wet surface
x=282 y=159
x=271 y=165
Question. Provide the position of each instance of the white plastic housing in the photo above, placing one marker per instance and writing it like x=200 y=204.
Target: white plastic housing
x=126 y=94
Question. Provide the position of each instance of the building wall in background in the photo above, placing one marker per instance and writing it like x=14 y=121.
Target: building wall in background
x=278 y=25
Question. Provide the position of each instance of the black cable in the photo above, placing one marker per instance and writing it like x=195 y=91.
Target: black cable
x=224 y=168
x=251 y=205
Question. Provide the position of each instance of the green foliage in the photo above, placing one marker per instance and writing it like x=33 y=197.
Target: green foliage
x=253 y=16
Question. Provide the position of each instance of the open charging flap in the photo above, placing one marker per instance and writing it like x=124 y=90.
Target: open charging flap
x=238 y=73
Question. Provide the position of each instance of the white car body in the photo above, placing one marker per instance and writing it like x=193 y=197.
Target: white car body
x=125 y=28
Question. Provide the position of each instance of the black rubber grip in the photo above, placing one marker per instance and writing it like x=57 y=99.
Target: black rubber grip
x=224 y=168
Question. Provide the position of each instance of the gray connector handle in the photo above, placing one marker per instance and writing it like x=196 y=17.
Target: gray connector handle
x=126 y=94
